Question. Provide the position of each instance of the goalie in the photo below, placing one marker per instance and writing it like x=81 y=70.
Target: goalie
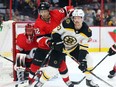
x=25 y=46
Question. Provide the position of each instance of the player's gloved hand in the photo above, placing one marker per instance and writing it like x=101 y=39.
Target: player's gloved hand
x=82 y=60
x=55 y=45
x=51 y=43
x=69 y=13
x=112 y=50
x=83 y=66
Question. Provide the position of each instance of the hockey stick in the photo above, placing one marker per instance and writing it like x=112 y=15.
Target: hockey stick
x=47 y=56
x=100 y=78
x=100 y=62
x=10 y=61
x=78 y=82
x=90 y=70
x=7 y=58
x=74 y=82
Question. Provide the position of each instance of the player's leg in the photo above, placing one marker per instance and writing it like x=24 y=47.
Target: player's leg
x=47 y=74
x=39 y=57
x=112 y=73
x=52 y=69
x=63 y=70
x=89 y=64
x=89 y=80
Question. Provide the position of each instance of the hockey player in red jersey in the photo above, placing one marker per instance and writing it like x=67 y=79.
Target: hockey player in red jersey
x=25 y=45
x=111 y=52
x=45 y=23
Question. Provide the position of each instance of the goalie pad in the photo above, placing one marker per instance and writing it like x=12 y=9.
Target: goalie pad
x=20 y=61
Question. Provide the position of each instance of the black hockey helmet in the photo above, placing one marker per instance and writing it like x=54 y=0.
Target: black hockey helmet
x=44 y=6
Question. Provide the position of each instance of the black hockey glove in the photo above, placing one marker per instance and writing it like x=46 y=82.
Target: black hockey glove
x=82 y=60
x=112 y=50
x=83 y=66
x=56 y=45
x=56 y=42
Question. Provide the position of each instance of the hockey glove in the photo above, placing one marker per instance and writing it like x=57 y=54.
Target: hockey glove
x=55 y=42
x=83 y=66
x=112 y=50
x=82 y=60
x=55 y=45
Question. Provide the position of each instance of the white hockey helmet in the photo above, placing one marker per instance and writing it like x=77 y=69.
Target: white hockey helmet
x=78 y=12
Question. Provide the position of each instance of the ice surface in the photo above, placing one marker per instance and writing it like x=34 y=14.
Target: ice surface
x=75 y=74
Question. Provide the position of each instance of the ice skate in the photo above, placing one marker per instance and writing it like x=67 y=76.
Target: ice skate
x=69 y=84
x=90 y=83
x=112 y=73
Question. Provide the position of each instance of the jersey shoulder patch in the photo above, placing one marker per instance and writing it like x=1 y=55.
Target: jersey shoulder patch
x=68 y=23
x=86 y=30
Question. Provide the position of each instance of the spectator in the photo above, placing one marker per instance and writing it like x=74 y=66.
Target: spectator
x=89 y=20
x=26 y=18
x=97 y=21
x=63 y=3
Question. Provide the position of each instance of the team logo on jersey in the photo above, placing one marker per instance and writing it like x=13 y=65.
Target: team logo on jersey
x=58 y=28
x=69 y=40
x=67 y=21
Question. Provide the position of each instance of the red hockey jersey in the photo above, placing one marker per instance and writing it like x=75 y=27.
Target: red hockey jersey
x=23 y=44
x=45 y=28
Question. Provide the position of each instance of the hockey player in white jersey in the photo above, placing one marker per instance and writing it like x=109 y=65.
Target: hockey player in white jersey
x=112 y=51
x=75 y=35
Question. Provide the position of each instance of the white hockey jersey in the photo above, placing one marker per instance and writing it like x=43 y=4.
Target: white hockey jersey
x=72 y=37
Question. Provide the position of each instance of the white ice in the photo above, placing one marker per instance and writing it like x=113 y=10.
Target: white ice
x=102 y=71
